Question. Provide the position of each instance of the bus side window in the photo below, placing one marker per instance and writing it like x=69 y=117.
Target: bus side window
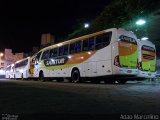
x=53 y=53
x=45 y=55
x=103 y=40
x=98 y=42
x=85 y=45
x=61 y=51
x=78 y=47
x=65 y=50
x=38 y=57
x=72 y=48
x=26 y=62
x=106 y=38
x=91 y=44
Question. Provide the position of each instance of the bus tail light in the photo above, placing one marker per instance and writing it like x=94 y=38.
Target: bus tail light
x=140 y=65
x=116 y=61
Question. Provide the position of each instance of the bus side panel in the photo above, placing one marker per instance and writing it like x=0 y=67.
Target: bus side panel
x=104 y=63
x=115 y=52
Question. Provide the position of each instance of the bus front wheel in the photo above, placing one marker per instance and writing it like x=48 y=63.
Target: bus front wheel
x=75 y=76
x=22 y=77
x=41 y=76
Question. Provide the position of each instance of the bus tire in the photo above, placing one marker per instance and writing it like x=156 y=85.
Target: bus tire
x=95 y=80
x=22 y=77
x=121 y=81
x=75 y=76
x=15 y=77
x=41 y=76
x=109 y=81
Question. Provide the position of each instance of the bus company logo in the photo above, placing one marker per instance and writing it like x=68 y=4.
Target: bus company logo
x=144 y=47
x=56 y=61
x=128 y=39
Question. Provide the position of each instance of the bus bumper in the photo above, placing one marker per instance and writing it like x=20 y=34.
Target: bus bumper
x=123 y=71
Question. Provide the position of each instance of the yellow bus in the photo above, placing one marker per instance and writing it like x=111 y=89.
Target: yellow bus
x=111 y=52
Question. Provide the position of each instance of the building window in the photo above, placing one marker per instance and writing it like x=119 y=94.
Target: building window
x=2 y=64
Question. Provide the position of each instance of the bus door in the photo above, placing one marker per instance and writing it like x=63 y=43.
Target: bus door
x=37 y=64
x=32 y=63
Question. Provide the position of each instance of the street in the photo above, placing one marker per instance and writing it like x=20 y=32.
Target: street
x=35 y=97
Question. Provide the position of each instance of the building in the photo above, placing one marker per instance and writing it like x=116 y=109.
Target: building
x=8 y=58
x=47 y=39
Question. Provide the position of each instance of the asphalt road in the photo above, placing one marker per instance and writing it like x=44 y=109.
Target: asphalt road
x=34 y=97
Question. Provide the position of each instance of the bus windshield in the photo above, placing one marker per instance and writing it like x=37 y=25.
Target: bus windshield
x=128 y=52
x=148 y=58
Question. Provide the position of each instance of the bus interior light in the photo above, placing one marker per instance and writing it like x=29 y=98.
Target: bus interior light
x=89 y=53
x=69 y=57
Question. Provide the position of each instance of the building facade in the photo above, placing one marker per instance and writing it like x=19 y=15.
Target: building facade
x=9 y=58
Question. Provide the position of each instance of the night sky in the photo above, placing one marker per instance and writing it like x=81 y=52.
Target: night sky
x=22 y=23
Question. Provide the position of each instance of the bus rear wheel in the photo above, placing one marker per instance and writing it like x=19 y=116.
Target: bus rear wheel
x=121 y=81
x=75 y=76
x=41 y=76
x=109 y=81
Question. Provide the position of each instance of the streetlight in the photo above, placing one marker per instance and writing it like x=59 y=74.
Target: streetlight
x=142 y=29
x=1 y=54
x=144 y=38
x=140 y=22
x=86 y=25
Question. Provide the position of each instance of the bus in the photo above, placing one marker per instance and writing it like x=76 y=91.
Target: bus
x=9 y=72
x=147 y=59
x=107 y=53
x=24 y=68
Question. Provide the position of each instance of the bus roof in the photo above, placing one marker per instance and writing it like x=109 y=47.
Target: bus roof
x=78 y=39
x=22 y=60
x=146 y=42
x=85 y=37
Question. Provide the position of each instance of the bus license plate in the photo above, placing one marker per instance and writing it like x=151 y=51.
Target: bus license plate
x=129 y=71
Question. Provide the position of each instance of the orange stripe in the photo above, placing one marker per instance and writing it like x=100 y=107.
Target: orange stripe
x=80 y=57
x=126 y=48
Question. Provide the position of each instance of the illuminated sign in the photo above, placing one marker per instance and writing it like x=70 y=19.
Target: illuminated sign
x=127 y=39
x=144 y=47
x=55 y=61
